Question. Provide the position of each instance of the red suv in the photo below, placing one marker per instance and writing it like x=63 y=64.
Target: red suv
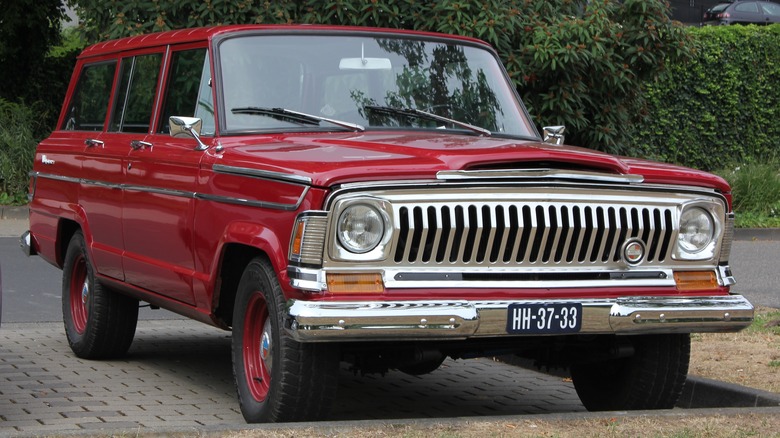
x=370 y=196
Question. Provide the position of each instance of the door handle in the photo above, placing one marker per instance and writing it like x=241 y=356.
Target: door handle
x=139 y=144
x=91 y=143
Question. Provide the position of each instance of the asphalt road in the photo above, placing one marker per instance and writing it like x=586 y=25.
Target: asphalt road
x=31 y=287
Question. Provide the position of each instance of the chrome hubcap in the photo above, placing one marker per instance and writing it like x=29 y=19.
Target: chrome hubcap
x=266 y=345
x=84 y=293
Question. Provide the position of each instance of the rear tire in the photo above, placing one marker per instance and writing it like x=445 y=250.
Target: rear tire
x=277 y=378
x=99 y=323
x=652 y=378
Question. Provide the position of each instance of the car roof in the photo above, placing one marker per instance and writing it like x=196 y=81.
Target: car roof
x=191 y=35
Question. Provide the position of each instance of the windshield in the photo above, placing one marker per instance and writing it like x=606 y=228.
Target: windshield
x=371 y=82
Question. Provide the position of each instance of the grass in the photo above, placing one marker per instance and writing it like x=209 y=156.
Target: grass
x=766 y=321
x=756 y=193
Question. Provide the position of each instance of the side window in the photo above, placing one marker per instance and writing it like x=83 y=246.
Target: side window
x=89 y=105
x=189 y=90
x=134 y=103
x=747 y=7
x=771 y=8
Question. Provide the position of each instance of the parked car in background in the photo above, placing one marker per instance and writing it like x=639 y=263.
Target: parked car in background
x=371 y=196
x=743 y=12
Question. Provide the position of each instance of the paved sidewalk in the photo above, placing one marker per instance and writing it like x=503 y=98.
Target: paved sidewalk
x=178 y=375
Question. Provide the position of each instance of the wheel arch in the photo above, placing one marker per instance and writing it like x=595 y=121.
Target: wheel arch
x=242 y=242
x=235 y=258
x=66 y=228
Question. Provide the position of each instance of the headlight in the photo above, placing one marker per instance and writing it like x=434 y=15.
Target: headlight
x=360 y=228
x=697 y=229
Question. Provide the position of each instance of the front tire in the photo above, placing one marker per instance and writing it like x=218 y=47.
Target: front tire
x=99 y=323
x=277 y=378
x=652 y=378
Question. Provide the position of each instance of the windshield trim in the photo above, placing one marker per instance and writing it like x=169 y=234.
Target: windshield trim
x=218 y=39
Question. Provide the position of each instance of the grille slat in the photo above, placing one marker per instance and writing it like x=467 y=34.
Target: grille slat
x=534 y=234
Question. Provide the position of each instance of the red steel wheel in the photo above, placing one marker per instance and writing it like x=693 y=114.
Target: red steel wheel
x=257 y=345
x=99 y=322
x=79 y=294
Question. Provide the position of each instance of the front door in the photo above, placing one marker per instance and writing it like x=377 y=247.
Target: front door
x=161 y=176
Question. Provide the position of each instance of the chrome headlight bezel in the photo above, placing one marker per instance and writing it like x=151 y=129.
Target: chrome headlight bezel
x=699 y=241
x=342 y=248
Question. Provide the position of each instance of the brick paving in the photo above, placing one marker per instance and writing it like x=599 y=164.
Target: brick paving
x=178 y=375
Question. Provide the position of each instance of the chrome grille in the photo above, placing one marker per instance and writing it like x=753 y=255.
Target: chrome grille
x=533 y=233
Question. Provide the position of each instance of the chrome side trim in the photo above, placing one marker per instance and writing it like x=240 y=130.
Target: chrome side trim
x=180 y=193
x=263 y=174
x=69 y=179
x=335 y=321
x=540 y=175
x=253 y=203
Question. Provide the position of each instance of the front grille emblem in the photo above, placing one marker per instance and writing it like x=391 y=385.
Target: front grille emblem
x=633 y=251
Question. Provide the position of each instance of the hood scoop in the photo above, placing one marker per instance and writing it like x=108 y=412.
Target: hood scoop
x=529 y=175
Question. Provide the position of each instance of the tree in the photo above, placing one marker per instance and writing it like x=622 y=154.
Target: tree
x=581 y=63
x=28 y=28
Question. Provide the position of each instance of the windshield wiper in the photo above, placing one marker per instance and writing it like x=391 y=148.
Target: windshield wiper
x=412 y=112
x=285 y=114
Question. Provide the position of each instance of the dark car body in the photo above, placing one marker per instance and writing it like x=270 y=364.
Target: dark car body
x=743 y=12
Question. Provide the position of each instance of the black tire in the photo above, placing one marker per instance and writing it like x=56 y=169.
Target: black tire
x=277 y=378
x=99 y=323
x=652 y=378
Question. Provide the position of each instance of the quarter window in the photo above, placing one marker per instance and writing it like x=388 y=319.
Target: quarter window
x=134 y=104
x=89 y=106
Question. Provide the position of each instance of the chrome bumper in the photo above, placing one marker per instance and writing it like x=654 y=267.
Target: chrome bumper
x=25 y=243
x=330 y=321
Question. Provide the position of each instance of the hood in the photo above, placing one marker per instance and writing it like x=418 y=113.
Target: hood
x=329 y=159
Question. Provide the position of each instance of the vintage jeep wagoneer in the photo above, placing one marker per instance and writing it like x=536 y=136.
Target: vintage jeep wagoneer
x=368 y=196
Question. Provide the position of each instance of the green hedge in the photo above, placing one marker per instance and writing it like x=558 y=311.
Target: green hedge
x=17 y=149
x=721 y=106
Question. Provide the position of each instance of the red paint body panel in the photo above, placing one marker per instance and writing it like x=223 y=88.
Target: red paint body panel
x=340 y=158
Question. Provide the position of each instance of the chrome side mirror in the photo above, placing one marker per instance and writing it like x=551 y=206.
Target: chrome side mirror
x=554 y=134
x=187 y=127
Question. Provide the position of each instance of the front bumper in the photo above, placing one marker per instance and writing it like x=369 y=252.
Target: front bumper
x=332 y=321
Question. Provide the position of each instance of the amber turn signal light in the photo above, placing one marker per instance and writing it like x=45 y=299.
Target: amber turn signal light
x=297 y=240
x=355 y=283
x=696 y=280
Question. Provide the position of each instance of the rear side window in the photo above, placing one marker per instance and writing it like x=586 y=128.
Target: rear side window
x=747 y=7
x=771 y=8
x=88 y=107
x=137 y=88
x=189 y=90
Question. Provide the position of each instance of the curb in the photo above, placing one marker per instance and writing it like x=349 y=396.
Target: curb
x=14 y=212
x=701 y=392
x=757 y=234
x=697 y=393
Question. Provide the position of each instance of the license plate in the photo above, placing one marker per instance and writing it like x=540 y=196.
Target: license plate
x=544 y=318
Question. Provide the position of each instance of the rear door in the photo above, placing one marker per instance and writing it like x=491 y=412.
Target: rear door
x=747 y=12
x=771 y=12
x=101 y=173
x=161 y=179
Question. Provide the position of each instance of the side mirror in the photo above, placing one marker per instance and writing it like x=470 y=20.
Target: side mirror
x=187 y=127
x=554 y=134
